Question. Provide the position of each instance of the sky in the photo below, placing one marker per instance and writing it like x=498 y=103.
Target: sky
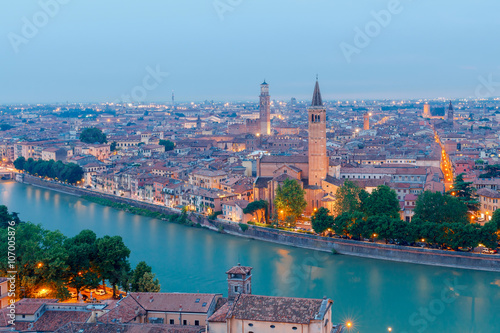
x=127 y=50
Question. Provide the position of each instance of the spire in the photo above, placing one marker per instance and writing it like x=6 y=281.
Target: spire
x=450 y=107
x=264 y=83
x=316 y=101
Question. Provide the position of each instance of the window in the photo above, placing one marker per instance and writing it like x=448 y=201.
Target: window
x=294 y=328
x=250 y=324
x=197 y=323
x=272 y=326
x=184 y=322
x=172 y=322
x=204 y=304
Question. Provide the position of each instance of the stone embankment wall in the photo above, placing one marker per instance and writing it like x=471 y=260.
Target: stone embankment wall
x=309 y=241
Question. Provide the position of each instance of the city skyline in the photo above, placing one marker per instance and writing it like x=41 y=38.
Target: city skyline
x=218 y=51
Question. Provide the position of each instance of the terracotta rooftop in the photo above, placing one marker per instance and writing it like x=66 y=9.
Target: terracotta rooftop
x=278 y=309
x=486 y=192
x=29 y=306
x=240 y=270
x=52 y=320
x=127 y=328
x=172 y=302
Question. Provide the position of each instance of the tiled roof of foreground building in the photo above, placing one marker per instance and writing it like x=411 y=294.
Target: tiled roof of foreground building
x=273 y=309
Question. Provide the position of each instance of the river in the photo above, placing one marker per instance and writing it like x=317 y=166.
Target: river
x=373 y=294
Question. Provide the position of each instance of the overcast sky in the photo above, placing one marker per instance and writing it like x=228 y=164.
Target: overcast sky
x=102 y=50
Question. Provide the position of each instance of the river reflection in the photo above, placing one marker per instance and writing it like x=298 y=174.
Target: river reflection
x=374 y=294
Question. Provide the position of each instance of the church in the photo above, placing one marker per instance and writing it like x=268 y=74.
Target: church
x=313 y=171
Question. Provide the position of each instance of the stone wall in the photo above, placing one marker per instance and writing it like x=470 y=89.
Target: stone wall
x=348 y=247
x=414 y=255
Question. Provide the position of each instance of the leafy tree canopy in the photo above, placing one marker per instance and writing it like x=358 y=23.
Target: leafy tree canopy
x=290 y=198
x=93 y=135
x=321 y=220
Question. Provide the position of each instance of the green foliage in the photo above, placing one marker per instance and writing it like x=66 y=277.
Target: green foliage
x=321 y=220
x=169 y=145
x=357 y=225
x=214 y=214
x=495 y=219
x=438 y=208
x=148 y=283
x=50 y=260
x=259 y=209
x=70 y=172
x=112 y=260
x=5 y=217
x=143 y=279
x=464 y=192
x=382 y=201
x=348 y=198
x=5 y=127
x=243 y=226
x=464 y=236
x=19 y=163
x=82 y=254
x=490 y=235
x=492 y=171
x=342 y=223
x=112 y=146
x=290 y=199
x=93 y=135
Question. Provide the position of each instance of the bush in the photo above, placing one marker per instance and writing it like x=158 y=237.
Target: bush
x=214 y=215
x=243 y=227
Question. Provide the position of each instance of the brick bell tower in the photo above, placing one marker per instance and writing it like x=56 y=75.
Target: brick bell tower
x=265 y=109
x=318 y=160
x=239 y=281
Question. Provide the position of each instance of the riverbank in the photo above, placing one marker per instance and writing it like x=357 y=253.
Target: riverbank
x=348 y=247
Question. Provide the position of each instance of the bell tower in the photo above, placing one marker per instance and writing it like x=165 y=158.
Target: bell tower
x=265 y=109
x=239 y=281
x=318 y=160
x=450 y=114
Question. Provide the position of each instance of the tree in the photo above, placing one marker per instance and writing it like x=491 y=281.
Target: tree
x=148 y=283
x=465 y=236
x=169 y=145
x=5 y=217
x=465 y=193
x=342 y=223
x=347 y=198
x=321 y=220
x=489 y=235
x=436 y=207
x=492 y=171
x=289 y=199
x=112 y=260
x=82 y=253
x=93 y=135
x=143 y=280
x=357 y=225
x=382 y=201
x=40 y=260
x=495 y=219
x=19 y=163
x=259 y=209
x=112 y=147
